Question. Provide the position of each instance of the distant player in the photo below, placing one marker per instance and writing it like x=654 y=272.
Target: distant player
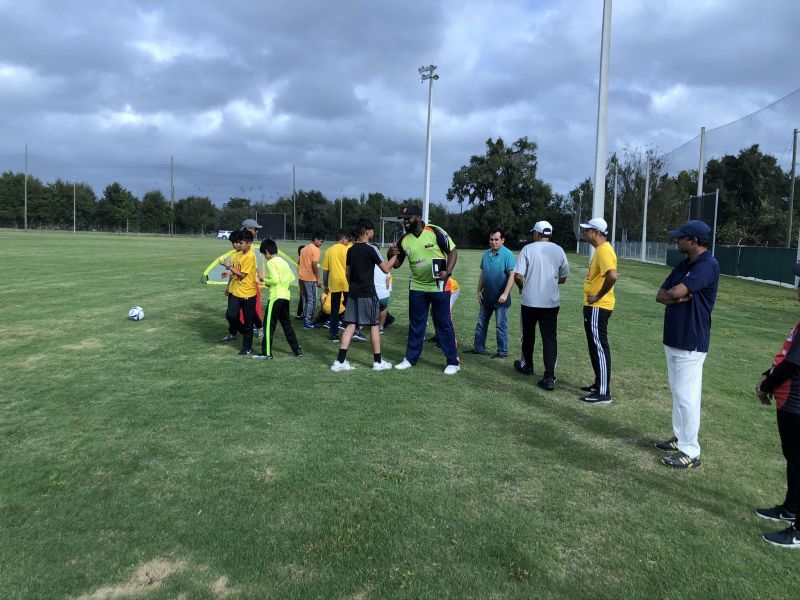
x=310 y=278
x=363 y=307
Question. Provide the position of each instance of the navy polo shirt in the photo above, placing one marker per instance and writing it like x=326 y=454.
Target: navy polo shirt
x=687 y=325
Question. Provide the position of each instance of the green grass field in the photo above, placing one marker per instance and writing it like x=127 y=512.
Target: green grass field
x=147 y=460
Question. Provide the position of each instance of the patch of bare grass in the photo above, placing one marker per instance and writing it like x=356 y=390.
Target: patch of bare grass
x=147 y=577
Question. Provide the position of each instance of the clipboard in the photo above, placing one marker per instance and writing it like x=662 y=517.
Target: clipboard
x=437 y=266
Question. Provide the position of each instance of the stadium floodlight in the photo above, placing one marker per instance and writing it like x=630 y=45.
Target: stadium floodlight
x=598 y=200
x=428 y=73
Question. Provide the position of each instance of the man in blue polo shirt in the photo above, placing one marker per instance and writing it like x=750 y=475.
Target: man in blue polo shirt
x=494 y=289
x=689 y=294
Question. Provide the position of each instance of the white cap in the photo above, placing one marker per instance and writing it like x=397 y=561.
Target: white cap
x=543 y=227
x=596 y=223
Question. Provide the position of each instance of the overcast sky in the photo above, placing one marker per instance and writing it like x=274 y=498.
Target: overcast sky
x=253 y=87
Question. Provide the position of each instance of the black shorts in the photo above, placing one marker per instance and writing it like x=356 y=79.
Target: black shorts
x=362 y=311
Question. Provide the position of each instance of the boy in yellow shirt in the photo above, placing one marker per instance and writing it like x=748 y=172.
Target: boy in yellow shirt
x=241 y=291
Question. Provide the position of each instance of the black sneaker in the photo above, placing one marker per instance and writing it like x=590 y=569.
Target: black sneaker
x=521 y=367
x=333 y=338
x=547 y=384
x=681 y=461
x=299 y=353
x=589 y=388
x=670 y=445
x=788 y=538
x=498 y=356
x=245 y=352
x=228 y=338
x=777 y=514
x=473 y=351
x=595 y=398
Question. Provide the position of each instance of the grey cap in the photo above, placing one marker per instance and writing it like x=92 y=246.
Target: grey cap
x=250 y=223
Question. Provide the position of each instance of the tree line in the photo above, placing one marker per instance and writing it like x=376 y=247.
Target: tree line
x=499 y=187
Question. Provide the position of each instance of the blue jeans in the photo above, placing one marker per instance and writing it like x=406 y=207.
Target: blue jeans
x=482 y=327
x=438 y=303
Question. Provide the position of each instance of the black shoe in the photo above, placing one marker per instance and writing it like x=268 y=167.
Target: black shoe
x=595 y=398
x=521 y=367
x=245 y=352
x=589 y=388
x=777 y=514
x=433 y=339
x=681 y=461
x=497 y=355
x=389 y=319
x=333 y=338
x=228 y=338
x=547 y=384
x=670 y=445
x=473 y=351
x=299 y=353
x=788 y=538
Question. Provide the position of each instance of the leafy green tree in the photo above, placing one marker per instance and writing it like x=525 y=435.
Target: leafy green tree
x=196 y=215
x=503 y=186
x=154 y=213
x=117 y=208
x=234 y=212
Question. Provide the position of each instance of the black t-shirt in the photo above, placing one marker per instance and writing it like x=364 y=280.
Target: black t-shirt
x=362 y=258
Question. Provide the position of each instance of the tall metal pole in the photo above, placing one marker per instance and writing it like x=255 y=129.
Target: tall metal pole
x=171 y=196
x=294 y=205
x=341 y=210
x=644 y=218
x=428 y=73
x=25 y=187
x=73 y=203
x=598 y=201
x=714 y=234
x=791 y=189
x=614 y=215
x=702 y=166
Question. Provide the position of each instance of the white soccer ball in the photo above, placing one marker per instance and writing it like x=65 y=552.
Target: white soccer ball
x=136 y=313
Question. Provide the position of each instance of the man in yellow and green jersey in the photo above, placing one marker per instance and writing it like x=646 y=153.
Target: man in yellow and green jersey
x=278 y=277
x=432 y=257
x=598 y=304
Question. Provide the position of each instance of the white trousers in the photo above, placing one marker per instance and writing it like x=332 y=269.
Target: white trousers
x=685 y=371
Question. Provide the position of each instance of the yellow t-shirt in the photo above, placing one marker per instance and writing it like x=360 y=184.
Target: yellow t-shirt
x=246 y=263
x=335 y=262
x=603 y=261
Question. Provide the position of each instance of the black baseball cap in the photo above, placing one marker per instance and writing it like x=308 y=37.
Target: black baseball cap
x=412 y=210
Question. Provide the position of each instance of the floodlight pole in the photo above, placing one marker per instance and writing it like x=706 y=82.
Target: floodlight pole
x=73 y=204
x=791 y=189
x=614 y=214
x=644 y=218
x=598 y=201
x=428 y=73
x=25 y=187
x=294 y=205
x=171 y=196
x=702 y=165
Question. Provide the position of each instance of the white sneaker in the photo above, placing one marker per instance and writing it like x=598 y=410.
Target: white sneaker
x=452 y=369
x=260 y=333
x=345 y=366
x=381 y=366
x=403 y=365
